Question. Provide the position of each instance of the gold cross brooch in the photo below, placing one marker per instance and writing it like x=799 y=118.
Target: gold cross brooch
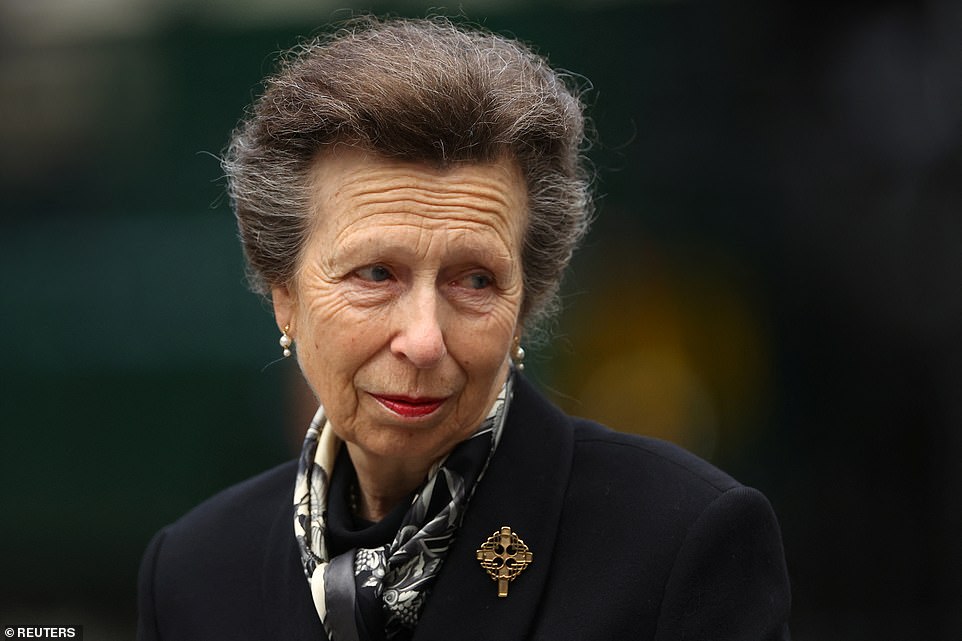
x=504 y=556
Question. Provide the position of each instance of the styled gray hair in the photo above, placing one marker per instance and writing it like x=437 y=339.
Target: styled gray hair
x=423 y=90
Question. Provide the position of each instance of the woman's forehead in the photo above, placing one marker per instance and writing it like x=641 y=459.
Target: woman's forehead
x=355 y=190
x=351 y=170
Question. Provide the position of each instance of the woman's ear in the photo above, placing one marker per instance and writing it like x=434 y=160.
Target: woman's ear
x=283 y=302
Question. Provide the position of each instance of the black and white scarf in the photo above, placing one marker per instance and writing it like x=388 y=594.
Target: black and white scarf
x=399 y=575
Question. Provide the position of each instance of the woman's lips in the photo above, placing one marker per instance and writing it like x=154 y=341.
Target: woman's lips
x=409 y=407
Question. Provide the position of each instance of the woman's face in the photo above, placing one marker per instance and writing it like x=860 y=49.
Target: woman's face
x=407 y=298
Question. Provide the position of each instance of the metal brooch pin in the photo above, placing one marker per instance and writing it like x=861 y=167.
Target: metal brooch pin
x=504 y=556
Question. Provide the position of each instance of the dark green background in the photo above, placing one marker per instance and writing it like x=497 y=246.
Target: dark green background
x=774 y=280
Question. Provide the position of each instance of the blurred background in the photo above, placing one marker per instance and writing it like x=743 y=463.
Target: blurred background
x=774 y=280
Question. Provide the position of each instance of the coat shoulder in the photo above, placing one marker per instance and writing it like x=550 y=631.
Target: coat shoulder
x=669 y=533
x=634 y=460
x=245 y=503
x=219 y=571
x=223 y=534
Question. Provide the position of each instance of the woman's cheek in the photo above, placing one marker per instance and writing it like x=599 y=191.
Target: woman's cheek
x=505 y=315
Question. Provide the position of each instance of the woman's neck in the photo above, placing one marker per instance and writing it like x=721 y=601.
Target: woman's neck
x=384 y=483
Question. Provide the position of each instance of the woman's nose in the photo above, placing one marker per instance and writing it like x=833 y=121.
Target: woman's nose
x=419 y=337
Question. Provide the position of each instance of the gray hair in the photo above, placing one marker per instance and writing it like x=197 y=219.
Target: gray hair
x=421 y=90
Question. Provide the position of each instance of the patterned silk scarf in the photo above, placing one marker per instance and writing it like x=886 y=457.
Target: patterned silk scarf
x=397 y=576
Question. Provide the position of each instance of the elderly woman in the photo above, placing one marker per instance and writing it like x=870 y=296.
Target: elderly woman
x=408 y=195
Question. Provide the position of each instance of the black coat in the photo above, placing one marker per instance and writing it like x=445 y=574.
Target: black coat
x=632 y=538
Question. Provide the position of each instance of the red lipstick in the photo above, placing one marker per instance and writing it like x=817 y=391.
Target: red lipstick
x=409 y=407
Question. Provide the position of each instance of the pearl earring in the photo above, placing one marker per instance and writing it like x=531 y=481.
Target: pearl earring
x=517 y=354
x=286 y=341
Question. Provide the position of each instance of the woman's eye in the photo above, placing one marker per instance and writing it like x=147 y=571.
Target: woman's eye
x=374 y=273
x=477 y=281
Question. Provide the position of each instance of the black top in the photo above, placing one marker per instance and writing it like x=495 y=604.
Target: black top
x=345 y=530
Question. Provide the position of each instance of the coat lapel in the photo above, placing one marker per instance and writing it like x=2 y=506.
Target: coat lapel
x=523 y=488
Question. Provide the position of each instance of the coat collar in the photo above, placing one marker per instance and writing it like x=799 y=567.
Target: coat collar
x=523 y=488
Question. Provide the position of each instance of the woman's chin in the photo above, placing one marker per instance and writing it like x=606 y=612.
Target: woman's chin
x=407 y=439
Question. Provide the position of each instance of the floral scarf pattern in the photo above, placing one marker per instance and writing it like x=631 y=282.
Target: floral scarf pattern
x=397 y=576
